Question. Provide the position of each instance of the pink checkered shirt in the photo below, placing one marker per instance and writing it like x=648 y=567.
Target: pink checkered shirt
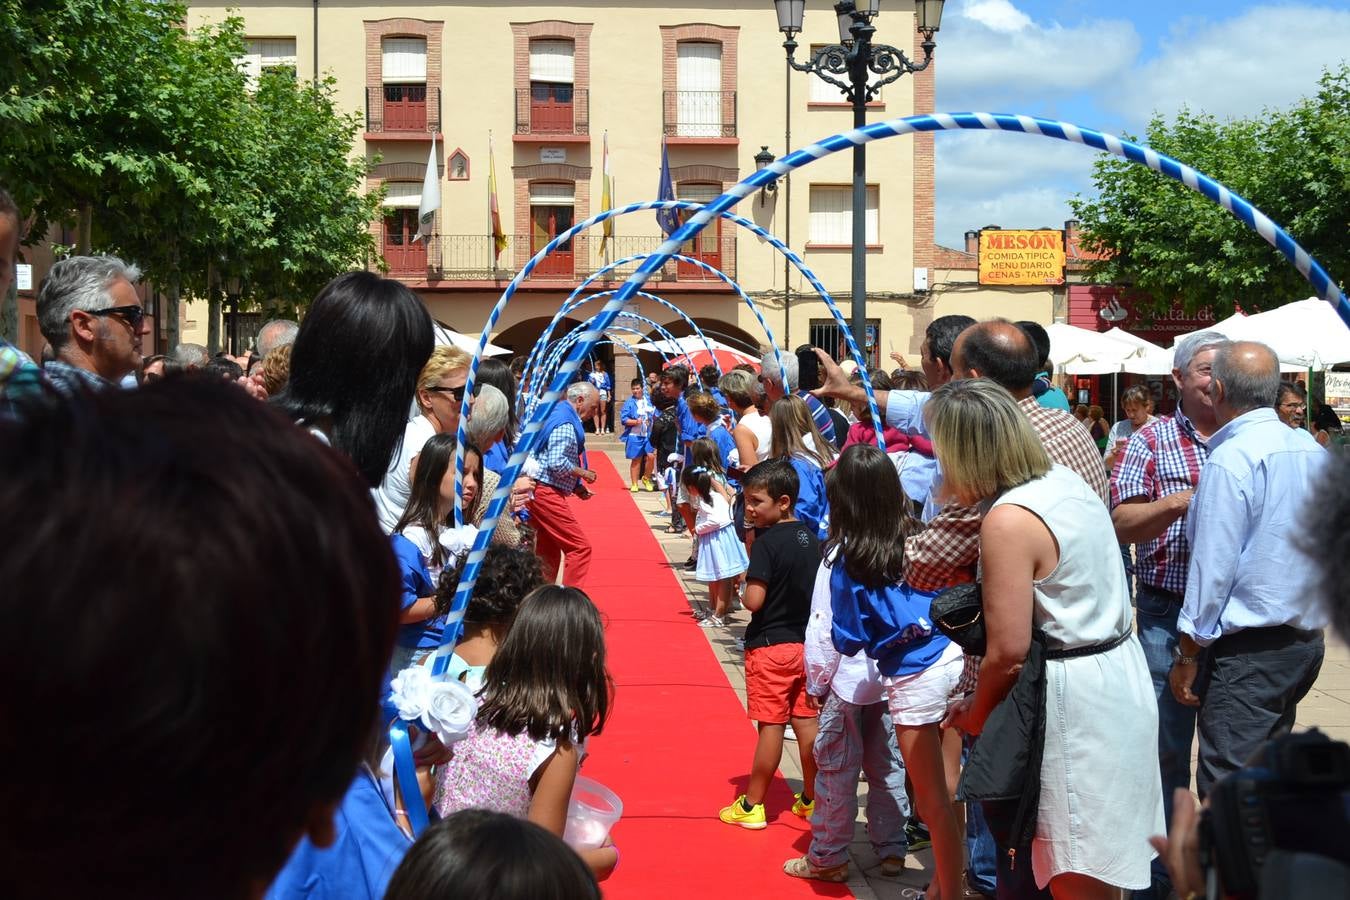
x=1164 y=457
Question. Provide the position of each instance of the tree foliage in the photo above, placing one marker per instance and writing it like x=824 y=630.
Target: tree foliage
x=1179 y=249
x=146 y=136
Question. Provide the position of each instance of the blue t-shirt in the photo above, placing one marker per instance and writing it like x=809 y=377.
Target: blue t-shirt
x=602 y=381
x=417 y=583
x=725 y=444
x=691 y=429
x=495 y=459
x=890 y=624
x=359 y=864
x=812 y=508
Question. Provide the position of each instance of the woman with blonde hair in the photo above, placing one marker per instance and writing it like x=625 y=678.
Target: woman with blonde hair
x=1055 y=599
x=440 y=389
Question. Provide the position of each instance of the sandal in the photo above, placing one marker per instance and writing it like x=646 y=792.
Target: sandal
x=801 y=867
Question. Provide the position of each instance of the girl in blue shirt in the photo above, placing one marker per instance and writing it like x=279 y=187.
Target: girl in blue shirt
x=874 y=610
x=417 y=543
x=796 y=437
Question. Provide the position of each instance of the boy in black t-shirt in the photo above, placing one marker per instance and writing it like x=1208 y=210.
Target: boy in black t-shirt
x=782 y=573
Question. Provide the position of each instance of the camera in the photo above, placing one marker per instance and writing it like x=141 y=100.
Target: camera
x=1280 y=827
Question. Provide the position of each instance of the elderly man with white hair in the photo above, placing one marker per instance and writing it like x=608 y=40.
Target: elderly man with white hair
x=91 y=316
x=559 y=540
x=276 y=333
x=779 y=376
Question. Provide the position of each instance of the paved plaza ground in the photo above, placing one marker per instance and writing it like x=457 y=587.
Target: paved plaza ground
x=1327 y=707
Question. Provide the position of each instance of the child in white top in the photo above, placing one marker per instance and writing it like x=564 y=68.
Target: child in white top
x=721 y=555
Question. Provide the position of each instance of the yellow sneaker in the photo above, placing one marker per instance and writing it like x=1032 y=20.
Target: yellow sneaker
x=736 y=814
x=633 y=489
x=802 y=809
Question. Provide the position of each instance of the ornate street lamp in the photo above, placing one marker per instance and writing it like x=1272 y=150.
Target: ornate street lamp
x=867 y=67
x=234 y=289
x=762 y=159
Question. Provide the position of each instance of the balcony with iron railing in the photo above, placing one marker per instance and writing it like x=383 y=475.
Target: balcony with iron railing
x=553 y=111
x=472 y=257
x=699 y=115
x=403 y=112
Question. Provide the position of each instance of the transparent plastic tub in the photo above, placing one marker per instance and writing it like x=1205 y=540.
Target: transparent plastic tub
x=591 y=814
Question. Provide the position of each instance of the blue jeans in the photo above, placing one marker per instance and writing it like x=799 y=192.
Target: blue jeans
x=1157 y=619
x=850 y=739
x=982 y=873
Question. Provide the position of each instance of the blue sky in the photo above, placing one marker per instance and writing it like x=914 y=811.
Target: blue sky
x=1104 y=65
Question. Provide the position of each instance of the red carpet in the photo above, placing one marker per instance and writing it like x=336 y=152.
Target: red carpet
x=678 y=745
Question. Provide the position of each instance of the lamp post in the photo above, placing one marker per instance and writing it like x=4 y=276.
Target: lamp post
x=234 y=287
x=762 y=159
x=855 y=58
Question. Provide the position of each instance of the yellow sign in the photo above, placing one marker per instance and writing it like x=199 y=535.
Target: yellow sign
x=1021 y=257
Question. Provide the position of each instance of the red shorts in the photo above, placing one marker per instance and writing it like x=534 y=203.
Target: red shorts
x=775 y=684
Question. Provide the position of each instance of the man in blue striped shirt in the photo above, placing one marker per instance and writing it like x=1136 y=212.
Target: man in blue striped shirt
x=1250 y=643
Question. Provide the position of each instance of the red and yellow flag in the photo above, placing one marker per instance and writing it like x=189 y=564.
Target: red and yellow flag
x=498 y=236
x=606 y=197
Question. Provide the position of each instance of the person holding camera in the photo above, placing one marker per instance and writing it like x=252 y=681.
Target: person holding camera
x=1250 y=643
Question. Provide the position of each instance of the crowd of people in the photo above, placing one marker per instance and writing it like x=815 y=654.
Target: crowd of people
x=234 y=559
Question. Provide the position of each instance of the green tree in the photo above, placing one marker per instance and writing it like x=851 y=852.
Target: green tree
x=148 y=139
x=1176 y=248
x=307 y=217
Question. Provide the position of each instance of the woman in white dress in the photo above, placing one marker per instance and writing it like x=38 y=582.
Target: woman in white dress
x=1050 y=562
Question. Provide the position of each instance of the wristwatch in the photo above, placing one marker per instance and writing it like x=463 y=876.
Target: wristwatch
x=1179 y=657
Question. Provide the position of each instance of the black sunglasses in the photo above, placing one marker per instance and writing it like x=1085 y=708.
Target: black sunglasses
x=456 y=392
x=133 y=315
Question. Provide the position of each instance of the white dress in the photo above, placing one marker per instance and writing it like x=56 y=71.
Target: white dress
x=1101 y=795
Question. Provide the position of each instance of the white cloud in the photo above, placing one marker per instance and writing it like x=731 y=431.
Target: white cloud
x=992 y=55
x=999 y=15
x=1033 y=207
x=1267 y=56
x=1013 y=180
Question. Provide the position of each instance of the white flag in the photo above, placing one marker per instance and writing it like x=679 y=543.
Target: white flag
x=431 y=195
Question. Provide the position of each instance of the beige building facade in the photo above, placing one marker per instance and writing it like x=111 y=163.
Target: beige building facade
x=547 y=86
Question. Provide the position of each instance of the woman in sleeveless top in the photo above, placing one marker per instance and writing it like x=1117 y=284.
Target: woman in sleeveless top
x=1049 y=561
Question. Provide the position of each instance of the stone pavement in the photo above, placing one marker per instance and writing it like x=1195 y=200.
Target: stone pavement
x=1327 y=707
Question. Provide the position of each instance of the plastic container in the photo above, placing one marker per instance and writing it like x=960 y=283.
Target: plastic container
x=591 y=814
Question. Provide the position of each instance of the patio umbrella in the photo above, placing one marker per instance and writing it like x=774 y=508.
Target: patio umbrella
x=447 y=337
x=1159 y=362
x=1306 y=333
x=727 y=359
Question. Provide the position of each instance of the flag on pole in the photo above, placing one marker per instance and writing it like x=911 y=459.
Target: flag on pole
x=606 y=197
x=431 y=196
x=667 y=219
x=498 y=236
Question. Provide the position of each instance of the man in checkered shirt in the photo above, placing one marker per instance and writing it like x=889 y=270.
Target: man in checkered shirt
x=1151 y=488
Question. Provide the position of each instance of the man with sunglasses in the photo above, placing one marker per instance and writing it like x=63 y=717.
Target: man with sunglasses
x=90 y=314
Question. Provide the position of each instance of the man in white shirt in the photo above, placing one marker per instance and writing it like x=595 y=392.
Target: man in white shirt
x=1250 y=643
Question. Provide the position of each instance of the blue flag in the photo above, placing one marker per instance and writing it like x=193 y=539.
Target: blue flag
x=667 y=219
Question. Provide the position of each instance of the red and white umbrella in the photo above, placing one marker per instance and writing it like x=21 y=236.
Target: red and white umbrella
x=726 y=360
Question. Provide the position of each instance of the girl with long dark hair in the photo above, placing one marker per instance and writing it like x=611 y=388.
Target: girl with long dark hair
x=545 y=692
x=354 y=367
x=875 y=611
x=418 y=546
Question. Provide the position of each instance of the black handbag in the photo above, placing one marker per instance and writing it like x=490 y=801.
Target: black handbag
x=958 y=612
